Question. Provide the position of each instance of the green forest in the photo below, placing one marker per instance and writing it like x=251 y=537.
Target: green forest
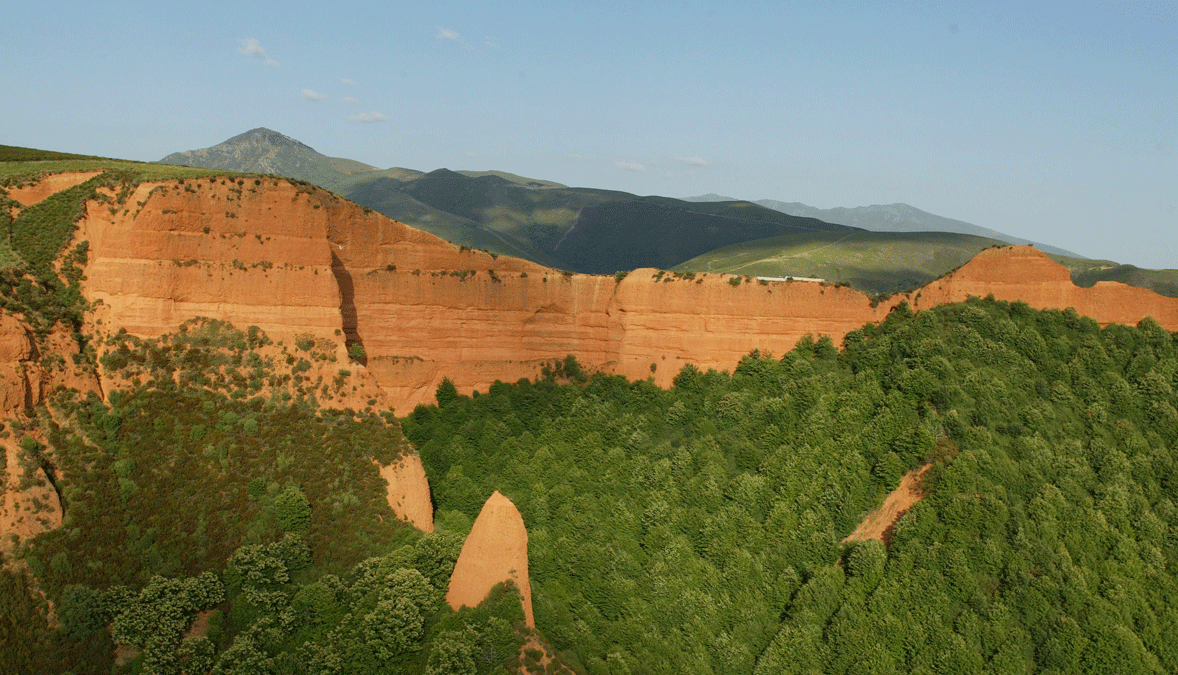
x=697 y=530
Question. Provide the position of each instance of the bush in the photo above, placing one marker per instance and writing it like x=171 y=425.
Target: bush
x=357 y=353
x=292 y=509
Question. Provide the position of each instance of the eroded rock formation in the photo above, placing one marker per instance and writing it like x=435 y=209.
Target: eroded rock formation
x=495 y=551
x=1015 y=273
x=26 y=378
x=408 y=491
x=297 y=260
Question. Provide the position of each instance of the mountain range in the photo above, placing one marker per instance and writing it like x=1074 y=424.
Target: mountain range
x=579 y=229
x=890 y=218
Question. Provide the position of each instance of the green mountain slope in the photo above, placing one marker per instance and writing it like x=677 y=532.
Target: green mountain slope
x=890 y=218
x=660 y=232
x=580 y=229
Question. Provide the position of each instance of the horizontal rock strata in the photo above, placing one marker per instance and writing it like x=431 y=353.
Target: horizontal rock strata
x=297 y=260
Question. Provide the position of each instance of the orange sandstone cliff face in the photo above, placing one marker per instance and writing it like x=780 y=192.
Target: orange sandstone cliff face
x=408 y=491
x=249 y=254
x=1023 y=273
x=495 y=551
x=296 y=260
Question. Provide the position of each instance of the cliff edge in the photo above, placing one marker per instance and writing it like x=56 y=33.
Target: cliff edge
x=414 y=309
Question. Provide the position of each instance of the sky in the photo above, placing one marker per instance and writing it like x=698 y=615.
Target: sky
x=1056 y=122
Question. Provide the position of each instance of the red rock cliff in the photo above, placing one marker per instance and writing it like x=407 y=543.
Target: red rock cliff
x=1014 y=273
x=295 y=260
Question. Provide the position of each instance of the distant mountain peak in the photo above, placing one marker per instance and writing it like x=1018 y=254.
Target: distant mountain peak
x=267 y=136
x=263 y=150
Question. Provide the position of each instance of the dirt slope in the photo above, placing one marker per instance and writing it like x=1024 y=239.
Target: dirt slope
x=495 y=551
x=878 y=524
x=32 y=193
x=408 y=491
x=29 y=505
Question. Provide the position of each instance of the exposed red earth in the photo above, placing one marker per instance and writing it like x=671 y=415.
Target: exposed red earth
x=495 y=551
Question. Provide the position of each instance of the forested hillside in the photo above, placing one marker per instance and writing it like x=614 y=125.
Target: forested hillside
x=697 y=530
x=212 y=481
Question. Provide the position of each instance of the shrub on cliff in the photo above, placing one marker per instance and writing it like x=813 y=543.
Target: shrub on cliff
x=357 y=353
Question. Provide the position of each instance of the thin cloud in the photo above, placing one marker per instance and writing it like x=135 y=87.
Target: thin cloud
x=313 y=95
x=452 y=36
x=251 y=47
x=492 y=43
x=578 y=156
x=627 y=165
x=370 y=117
x=350 y=83
x=350 y=99
x=693 y=161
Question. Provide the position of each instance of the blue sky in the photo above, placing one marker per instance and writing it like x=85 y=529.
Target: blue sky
x=1054 y=122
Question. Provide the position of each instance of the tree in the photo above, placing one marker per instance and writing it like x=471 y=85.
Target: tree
x=81 y=611
x=453 y=653
x=394 y=627
x=447 y=393
x=292 y=509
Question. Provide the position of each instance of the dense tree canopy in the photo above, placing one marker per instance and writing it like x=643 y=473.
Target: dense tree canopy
x=691 y=530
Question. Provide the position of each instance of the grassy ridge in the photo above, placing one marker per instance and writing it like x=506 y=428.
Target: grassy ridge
x=1087 y=273
x=13 y=153
x=875 y=262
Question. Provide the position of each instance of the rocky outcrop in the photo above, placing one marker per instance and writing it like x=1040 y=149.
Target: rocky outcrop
x=25 y=377
x=408 y=491
x=1023 y=273
x=16 y=352
x=495 y=552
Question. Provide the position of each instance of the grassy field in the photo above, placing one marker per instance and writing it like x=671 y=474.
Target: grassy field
x=876 y=262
